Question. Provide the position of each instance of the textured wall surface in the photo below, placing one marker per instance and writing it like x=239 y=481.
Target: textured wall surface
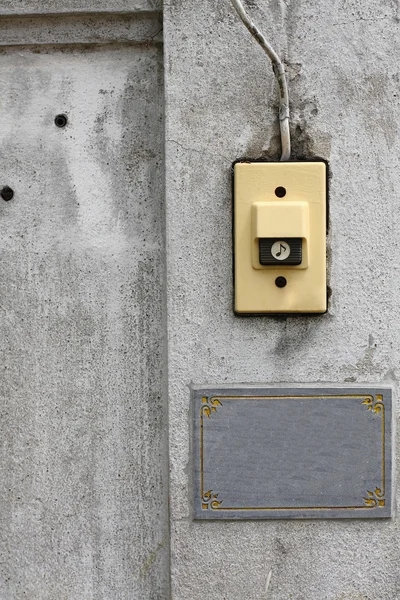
x=221 y=104
x=83 y=506
x=83 y=496
x=27 y=7
x=100 y=28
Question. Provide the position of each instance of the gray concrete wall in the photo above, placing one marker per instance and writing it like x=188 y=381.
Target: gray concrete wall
x=35 y=7
x=83 y=460
x=342 y=61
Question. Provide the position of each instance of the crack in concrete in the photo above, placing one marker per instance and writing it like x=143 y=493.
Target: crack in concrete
x=361 y=19
x=213 y=154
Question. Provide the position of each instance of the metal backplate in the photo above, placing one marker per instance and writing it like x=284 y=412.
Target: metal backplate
x=293 y=453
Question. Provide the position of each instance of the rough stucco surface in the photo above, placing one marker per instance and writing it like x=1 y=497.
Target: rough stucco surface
x=221 y=105
x=11 y=7
x=83 y=506
x=81 y=29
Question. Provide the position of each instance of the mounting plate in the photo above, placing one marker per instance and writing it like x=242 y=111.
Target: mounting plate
x=260 y=212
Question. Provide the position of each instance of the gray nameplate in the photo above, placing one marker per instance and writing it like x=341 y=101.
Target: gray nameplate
x=292 y=453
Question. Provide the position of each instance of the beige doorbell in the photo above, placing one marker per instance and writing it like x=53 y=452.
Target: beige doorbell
x=280 y=237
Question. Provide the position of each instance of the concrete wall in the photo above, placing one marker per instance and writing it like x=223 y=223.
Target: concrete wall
x=83 y=461
x=221 y=104
x=44 y=7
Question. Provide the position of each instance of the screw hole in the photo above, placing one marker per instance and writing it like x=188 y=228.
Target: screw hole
x=7 y=193
x=280 y=282
x=280 y=192
x=61 y=120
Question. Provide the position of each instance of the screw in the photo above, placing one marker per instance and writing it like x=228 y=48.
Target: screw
x=280 y=282
x=280 y=192
x=61 y=120
x=7 y=193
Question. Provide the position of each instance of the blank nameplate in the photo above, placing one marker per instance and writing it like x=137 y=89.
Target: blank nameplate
x=292 y=452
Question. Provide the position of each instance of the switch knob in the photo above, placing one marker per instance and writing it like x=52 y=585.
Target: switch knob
x=287 y=251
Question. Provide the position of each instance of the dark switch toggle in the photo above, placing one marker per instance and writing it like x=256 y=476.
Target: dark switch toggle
x=274 y=251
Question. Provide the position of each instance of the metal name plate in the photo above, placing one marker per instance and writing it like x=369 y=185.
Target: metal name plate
x=292 y=452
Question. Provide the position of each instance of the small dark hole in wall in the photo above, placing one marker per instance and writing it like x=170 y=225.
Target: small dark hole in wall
x=7 y=193
x=280 y=192
x=61 y=120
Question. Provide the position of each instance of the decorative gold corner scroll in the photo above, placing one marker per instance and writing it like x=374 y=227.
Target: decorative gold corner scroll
x=209 y=406
x=376 y=405
x=377 y=497
x=210 y=500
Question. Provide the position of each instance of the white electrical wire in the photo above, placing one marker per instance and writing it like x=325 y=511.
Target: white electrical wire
x=280 y=75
